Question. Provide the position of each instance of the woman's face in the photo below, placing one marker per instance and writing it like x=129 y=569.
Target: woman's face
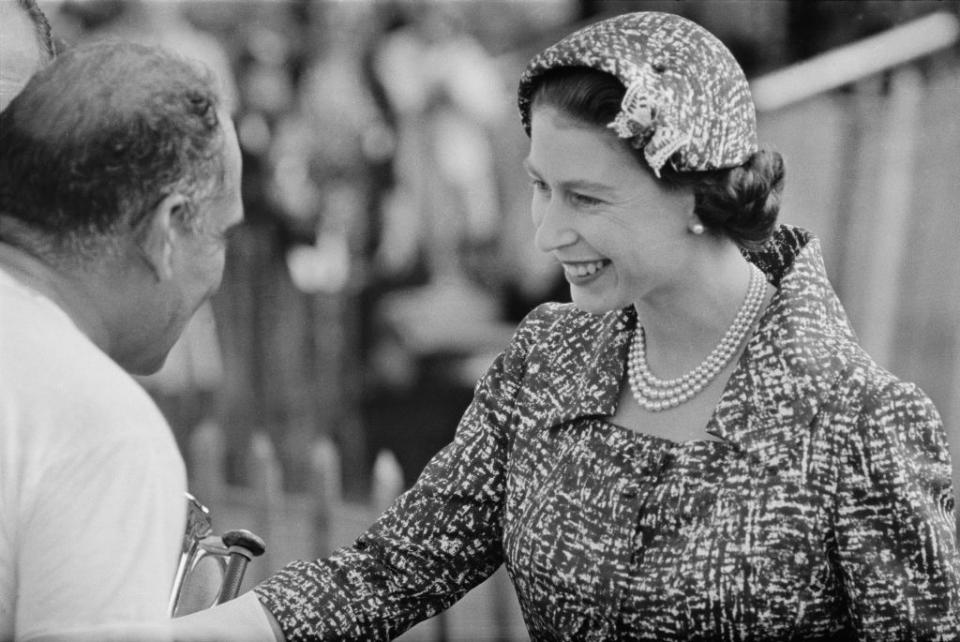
x=619 y=233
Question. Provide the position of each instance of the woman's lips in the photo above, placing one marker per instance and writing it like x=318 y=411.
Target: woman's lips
x=583 y=271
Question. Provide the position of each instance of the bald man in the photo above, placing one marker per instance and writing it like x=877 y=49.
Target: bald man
x=119 y=181
x=26 y=45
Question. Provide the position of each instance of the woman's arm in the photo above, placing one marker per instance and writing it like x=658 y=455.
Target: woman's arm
x=896 y=530
x=438 y=540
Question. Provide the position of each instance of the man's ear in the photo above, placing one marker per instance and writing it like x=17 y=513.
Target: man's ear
x=155 y=237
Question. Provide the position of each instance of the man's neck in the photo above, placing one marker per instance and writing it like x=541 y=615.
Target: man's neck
x=73 y=291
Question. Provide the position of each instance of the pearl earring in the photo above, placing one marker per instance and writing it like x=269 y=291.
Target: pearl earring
x=697 y=228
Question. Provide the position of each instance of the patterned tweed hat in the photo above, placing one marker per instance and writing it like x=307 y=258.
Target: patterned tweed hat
x=687 y=102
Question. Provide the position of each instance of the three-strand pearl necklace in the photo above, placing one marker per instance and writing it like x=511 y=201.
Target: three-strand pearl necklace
x=657 y=394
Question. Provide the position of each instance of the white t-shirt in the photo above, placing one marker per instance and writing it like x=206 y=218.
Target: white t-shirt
x=92 y=507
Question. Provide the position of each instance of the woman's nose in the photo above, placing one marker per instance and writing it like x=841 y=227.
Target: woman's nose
x=553 y=229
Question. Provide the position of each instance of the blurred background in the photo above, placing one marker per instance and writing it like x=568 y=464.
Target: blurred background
x=387 y=250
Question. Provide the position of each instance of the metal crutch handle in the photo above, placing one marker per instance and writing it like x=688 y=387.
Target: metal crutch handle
x=243 y=546
x=198 y=527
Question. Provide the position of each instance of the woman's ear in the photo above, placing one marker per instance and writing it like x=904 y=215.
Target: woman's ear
x=156 y=235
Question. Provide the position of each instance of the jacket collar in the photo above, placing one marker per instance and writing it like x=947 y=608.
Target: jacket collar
x=788 y=368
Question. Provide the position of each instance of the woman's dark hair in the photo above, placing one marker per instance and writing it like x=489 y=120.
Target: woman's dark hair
x=743 y=202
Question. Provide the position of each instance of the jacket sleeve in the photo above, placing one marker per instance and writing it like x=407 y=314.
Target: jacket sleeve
x=896 y=530
x=437 y=541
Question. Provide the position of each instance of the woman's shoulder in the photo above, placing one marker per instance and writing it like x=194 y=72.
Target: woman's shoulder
x=850 y=384
x=550 y=312
x=552 y=323
x=890 y=398
x=564 y=317
x=879 y=389
x=893 y=415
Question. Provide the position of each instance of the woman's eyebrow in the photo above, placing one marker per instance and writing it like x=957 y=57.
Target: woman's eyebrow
x=575 y=184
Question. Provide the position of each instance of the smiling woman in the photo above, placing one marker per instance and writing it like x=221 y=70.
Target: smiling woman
x=696 y=447
x=603 y=216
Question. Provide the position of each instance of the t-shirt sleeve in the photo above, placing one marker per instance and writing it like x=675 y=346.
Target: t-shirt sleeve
x=98 y=543
x=896 y=530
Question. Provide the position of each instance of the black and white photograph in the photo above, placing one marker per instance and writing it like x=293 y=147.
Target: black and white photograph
x=479 y=320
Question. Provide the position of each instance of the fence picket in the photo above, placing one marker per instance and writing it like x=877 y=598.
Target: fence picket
x=266 y=482
x=206 y=457
x=326 y=493
x=387 y=481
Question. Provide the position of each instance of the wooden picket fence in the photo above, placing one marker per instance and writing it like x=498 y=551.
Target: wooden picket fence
x=315 y=523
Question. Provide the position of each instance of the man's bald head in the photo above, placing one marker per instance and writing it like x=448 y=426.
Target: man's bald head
x=26 y=45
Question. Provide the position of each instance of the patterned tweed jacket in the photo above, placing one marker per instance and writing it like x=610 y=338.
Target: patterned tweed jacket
x=823 y=512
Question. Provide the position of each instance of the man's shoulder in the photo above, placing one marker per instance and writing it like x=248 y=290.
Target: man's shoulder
x=37 y=339
x=52 y=370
